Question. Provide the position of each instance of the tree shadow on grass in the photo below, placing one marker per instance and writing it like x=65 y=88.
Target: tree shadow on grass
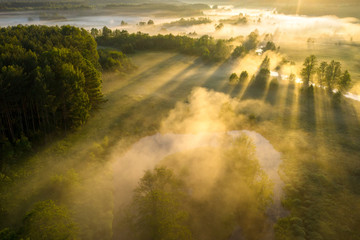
x=289 y=104
x=306 y=109
x=257 y=86
x=273 y=92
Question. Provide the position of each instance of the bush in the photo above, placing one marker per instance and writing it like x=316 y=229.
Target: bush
x=115 y=60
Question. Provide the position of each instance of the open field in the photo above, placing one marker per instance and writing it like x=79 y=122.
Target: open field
x=137 y=106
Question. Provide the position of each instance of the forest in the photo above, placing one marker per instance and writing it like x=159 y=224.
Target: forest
x=179 y=120
x=50 y=83
x=206 y=47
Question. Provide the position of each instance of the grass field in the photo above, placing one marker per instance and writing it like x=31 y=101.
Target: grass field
x=318 y=141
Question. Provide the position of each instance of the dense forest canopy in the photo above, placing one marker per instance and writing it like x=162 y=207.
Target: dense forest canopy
x=50 y=79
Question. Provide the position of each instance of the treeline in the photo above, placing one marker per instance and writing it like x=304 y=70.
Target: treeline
x=44 y=5
x=206 y=47
x=252 y=42
x=50 y=80
x=237 y=20
x=329 y=76
x=188 y=22
x=326 y=75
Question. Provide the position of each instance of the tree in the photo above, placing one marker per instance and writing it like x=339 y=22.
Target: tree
x=244 y=76
x=106 y=32
x=94 y=32
x=270 y=46
x=251 y=41
x=156 y=207
x=219 y=27
x=48 y=221
x=332 y=75
x=265 y=63
x=233 y=78
x=322 y=73
x=8 y=234
x=238 y=52
x=344 y=82
x=49 y=80
x=308 y=70
x=150 y=22
x=221 y=51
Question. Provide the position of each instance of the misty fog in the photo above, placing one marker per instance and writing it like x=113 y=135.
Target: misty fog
x=179 y=120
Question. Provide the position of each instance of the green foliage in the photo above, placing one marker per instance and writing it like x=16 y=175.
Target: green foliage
x=8 y=234
x=243 y=76
x=331 y=76
x=227 y=189
x=22 y=145
x=206 y=47
x=239 y=51
x=49 y=80
x=156 y=208
x=236 y=20
x=97 y=152
x=309 y=69
x=106 y=32
x=270 y=46
x=63 y=181
x=251 y=41
x=219 y=26
x=321 y=72
x=48 y=221
x=344 y=82
x=289 y=228
x=265 y=64
x=115 y=61
x=233 y=79
x=188 y=22
x=221 y=51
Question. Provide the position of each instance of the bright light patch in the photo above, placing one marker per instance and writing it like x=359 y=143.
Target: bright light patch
x=298 y=80
x=274 y=74
x=352 y=96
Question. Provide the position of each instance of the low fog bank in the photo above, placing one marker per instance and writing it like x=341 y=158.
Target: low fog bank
x=149 y=151
x=203 y=122
x=237 y=21
x=326 y=36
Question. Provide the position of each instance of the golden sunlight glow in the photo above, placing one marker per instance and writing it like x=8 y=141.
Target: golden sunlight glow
x=298 y=7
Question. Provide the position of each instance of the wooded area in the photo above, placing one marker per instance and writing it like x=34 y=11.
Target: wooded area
x=50 y=80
